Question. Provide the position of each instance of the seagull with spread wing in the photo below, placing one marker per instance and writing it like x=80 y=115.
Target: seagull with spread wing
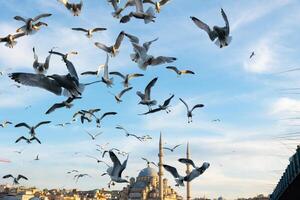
x=173 y=171
x=219 y=33
x=119 y=95
x=129 y=134
x=67 y=103
x=40 y=68
x=15 y=179
x=78 y=176
x=197 y=171
x=149 y=162
x=190 y=112
x=31 y=131
x=93 y=137
x=86 y=114
x=157 y=4
x=5 y=123
x=74 y=8
x=126 y=77
x=89 y=32
x=180 y=72
x=117 y=11
x=145 y=97
x=99 y=119
x=172 y=149
x=114 y=49
x=32 y=25
x=10 y=39
x=165 y=106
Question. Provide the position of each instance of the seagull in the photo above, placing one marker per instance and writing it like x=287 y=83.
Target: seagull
x=189 y=112
x=116 y=171
x=114 y=49
x=19 y=151
x=89 y=32
x=157 y=4
x=31 y=131
x=145 y=98
x=10 y=39
x=5 y=123
x=221 y=33
x=180 y=72
x=40 y=68
x=197 y=171
x=165 y=107
x=72 y=171
x=98 y=120
x=252 y=54
x=117 y=10
x=126 y=77
x=32 y=25
x=67 y=103
x=86 y=114
x=144 y=60
x=216 y=120
x=147 y=16
x=78 y=176
x=93 y=136
x=119 y=96
x=129 y=134
x=173 y=148
x=75 y=8
x=98 y=161
x=149 y=162
x=37 y=157
x=15 y=179
x=178 y=178
x=63 y=124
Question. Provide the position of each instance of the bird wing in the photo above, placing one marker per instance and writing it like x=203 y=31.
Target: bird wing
x=152 y=111
x=41 y=123
x=107 y=113
x=17 y=35
x=147 y=45
x=118 y=74
x=187 y=107
x=71 y=69
x=124 y=91
x=140 y=50
x=114 y=159
x=124 y=164
x=89 y=73
x=22 y=124
x=148 y=88
x=226 y=21
x=162 y=60
x=163 y=2
x=98 y=29
x=172 y=170
x=22 y=138
x=54 y=107
x=21 y=176
x=149 y=1
x=130 y=76
x=47 y=62
x=197 y=106
x=132 y=38
x=105 y=73
x=187 y=72
x=187 y=161
x=173 y=68
x=41 y=16
x=139 y=6
x=119 y=40
x=8 y=176
x=37 y=80
x=141 y=95
x=80 y=29
x=212 y=34
x=19 y=18
x=167 y=102
x=103 y=47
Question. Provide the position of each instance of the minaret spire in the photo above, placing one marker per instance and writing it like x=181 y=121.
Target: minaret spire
x=160 y=166
x=188 y=170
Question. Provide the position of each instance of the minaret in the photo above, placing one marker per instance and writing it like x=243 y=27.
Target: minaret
x=188 y=170
x=160 y=170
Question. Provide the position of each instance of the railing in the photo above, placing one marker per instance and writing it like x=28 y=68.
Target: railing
x=291 y=172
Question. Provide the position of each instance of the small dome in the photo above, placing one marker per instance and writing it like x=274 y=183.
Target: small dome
x=149 y=172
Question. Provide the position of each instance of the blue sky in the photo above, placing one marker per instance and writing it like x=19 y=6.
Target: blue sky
x=244 y=94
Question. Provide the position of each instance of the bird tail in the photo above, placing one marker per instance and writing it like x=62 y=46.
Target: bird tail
x=150 y=15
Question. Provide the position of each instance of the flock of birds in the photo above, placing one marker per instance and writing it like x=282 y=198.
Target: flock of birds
x=69 y=84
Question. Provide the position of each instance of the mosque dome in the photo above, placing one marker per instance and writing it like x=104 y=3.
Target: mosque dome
x=148 y=172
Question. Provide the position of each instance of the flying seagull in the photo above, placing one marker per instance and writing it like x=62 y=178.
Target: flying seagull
x=32 y=25
x=98 y=120
x=63 y=124
x=126 y=77
x=74 y=8
x=197 y=171
x=93 y=137
x=78 y=176
x=40 y=68
x=172 y=148
x=221 y=33
x=72 y=171
x=165 y=107
x=145 y=97
x=31 y=131
x=129 y=134
x=98 y=161
x=180 y=72
x=89 y=32
x=67 y=103
x=15 y=179
x=119 y=95
x=5 y=123
x=189 y=112
x=114 y=49
x=178 y=178
x=149 y=162
x=86 y=114
x=37 y=157
x=252 y=54
x=157 y=4
x=10 y=40
x=116 y=171
x=117 y=11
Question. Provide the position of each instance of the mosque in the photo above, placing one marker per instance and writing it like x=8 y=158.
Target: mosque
x=150 y=184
